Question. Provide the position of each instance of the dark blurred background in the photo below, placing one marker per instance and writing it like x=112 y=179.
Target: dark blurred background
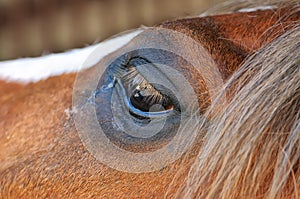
x=36 y=27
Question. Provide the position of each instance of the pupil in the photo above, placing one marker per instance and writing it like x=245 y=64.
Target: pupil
x=141 y=101
x=149 y=102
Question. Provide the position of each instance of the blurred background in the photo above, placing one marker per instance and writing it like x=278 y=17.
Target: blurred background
x=37 y=27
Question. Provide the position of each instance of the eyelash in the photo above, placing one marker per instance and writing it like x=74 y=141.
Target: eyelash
x=139 y=92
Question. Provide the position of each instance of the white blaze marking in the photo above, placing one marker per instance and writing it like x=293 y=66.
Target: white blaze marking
x=26 y=70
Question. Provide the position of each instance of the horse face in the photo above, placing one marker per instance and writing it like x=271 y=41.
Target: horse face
x=43 y=155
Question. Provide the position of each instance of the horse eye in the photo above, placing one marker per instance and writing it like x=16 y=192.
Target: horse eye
x=140 y=100
x=143 y=99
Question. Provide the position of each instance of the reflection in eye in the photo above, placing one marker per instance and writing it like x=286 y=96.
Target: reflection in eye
x=143 y=99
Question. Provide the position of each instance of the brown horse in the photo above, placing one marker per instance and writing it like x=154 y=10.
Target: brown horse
x=249 y=147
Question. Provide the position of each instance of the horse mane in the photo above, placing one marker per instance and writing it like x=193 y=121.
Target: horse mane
x=252 y=148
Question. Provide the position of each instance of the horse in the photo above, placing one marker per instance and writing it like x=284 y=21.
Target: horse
x=246 y=136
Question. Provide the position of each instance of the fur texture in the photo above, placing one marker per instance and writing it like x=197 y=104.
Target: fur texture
x=250 y=148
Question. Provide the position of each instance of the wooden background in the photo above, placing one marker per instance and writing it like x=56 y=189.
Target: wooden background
x=36 y=27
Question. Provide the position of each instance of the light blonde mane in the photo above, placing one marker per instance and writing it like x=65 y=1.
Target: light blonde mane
x=252 y=148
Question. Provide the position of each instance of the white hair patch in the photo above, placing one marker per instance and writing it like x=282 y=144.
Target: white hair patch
x=26 y=70
x=257 y=8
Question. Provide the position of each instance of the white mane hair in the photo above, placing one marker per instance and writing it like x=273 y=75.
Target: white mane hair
x=26 y=70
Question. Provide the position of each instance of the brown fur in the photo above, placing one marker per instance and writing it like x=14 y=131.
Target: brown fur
x=41 y=154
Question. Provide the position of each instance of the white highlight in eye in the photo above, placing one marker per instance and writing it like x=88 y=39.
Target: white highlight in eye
x=26 y=70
